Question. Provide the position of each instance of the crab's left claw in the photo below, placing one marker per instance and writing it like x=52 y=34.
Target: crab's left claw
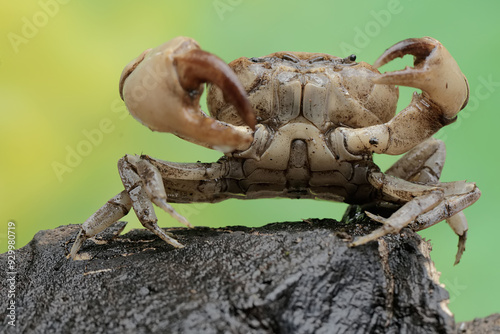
x=163 y=86
x=435 y=72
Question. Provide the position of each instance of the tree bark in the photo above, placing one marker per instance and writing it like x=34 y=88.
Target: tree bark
x=281 y=278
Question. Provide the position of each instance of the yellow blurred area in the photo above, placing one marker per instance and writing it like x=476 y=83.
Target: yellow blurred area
x=63 y=126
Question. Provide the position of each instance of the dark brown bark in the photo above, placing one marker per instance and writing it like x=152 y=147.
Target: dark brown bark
x=281 y=278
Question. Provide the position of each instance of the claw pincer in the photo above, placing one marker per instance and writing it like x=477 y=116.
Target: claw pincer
x=434 y=71
x=445 y=92
x=162 y=89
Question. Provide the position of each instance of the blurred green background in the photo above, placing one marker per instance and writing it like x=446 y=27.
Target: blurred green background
x=60 y=62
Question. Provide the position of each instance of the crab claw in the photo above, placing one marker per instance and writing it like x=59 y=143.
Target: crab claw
x=435 y=72
x=162 y=89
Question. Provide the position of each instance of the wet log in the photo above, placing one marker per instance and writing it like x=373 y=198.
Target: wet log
x=296 y=277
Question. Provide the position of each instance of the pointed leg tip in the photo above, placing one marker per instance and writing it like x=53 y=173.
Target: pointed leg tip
x=184 y=221
x=165 y=236
x=360 y=241
x=458 y=257
x=165 y=206
x=79 y=240
x=377 y=218
x=353 y=244
x=461 y=247
x=174 y=243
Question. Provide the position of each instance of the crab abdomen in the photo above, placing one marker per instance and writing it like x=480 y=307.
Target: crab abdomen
x=295 y=162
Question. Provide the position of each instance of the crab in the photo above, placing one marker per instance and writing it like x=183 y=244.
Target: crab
x=294 y=125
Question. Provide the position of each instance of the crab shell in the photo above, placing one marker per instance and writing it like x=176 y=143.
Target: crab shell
x=326 y=90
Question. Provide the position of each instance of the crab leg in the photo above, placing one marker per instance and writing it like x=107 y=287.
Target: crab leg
x=401 y=218
x=426 y=205
x=423 y=164
x=445 y=92
x=153 y=184
x=459 y=195
x=451 y=211
x=419 y=199
x=107 y=215
x=144 y=185
x=458 y=224
x=163 y=86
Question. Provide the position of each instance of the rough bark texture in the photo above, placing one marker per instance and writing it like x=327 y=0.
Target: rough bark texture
x=281 y=278
x=488 y=325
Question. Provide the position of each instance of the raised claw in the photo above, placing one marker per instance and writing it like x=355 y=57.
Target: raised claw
x=162 y=89
x=435 y=72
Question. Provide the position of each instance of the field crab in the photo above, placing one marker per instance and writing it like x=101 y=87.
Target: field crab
x=294 y=125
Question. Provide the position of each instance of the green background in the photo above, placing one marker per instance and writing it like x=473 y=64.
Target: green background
x=59 y=68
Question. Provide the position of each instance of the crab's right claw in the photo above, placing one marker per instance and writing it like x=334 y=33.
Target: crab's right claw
x=162 y=89
x=435 y=72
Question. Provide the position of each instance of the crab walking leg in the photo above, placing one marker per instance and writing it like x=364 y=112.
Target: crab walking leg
x=199 y=182
x=401 y=218
x=139 y=193
x=109 y=213
x=423 y=163
x=451 y=211
x=457 y=224
x=419 y=200
x=153 y=184
x=445 y=92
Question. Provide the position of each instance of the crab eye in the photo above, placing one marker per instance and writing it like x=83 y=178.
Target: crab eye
x=316 y=59
x=256 y=60
x=289 y=57
x=350 y=60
